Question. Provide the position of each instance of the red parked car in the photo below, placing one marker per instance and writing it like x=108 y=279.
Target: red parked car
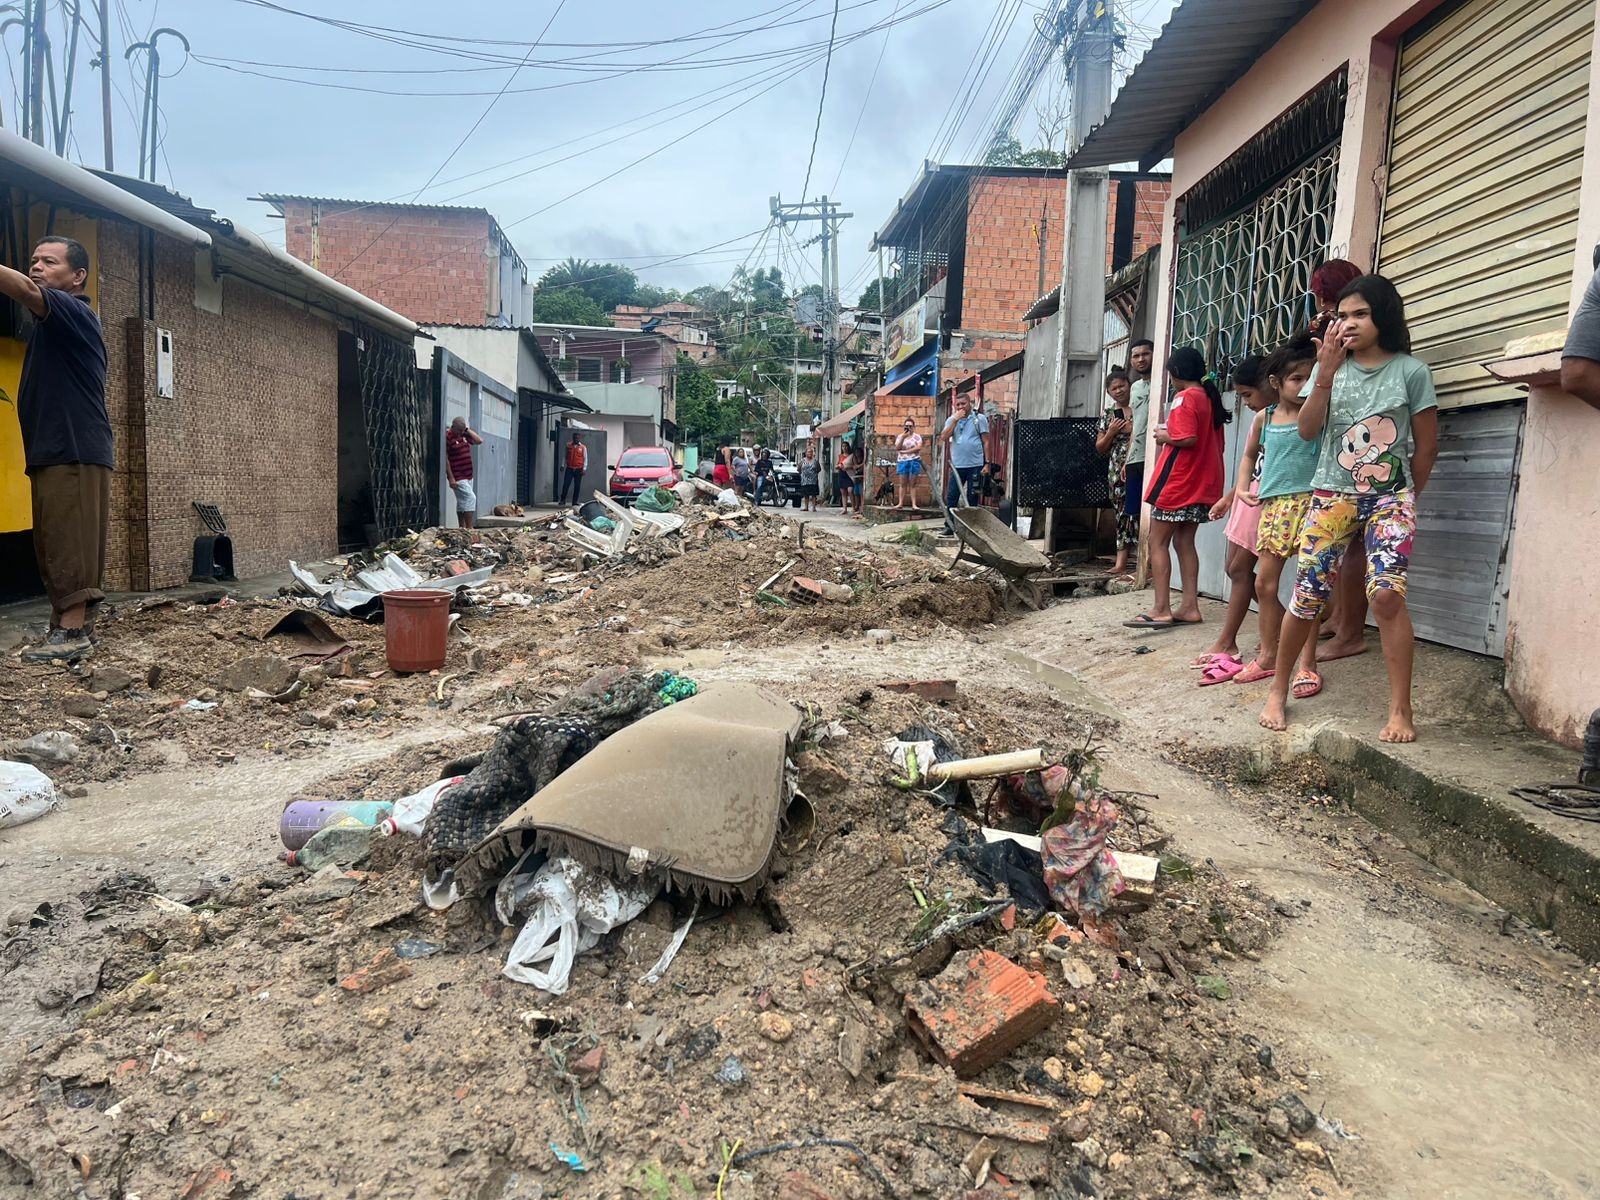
x=640 y=468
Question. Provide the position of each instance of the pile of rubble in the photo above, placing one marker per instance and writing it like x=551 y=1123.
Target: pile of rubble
x=883 y=990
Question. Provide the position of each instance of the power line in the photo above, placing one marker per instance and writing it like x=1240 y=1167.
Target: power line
x=822 y=100
x=871 y=83
x=560 y=4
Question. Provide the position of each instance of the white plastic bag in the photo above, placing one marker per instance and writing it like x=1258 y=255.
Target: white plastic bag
x=411 y=811
x=729 y=499
x=570 y=908
x=25 y=793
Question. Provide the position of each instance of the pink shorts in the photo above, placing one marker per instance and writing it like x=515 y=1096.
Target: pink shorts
x=1243 y=520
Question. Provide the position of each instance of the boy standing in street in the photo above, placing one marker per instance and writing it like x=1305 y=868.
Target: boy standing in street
x=1141 y=361
x=66 y=437
x=459 y=440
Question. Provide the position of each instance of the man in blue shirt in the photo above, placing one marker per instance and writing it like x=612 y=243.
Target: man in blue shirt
x=964 y=455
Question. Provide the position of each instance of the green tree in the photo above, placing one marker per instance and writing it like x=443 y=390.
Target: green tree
x=869 y=296
x=1007 y=151
x=567 y=306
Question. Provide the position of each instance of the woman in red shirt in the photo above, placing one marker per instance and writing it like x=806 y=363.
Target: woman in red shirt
x=1186 y=482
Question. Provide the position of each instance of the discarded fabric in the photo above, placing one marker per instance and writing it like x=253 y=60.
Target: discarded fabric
x=1081 y=873
x=1000 y=863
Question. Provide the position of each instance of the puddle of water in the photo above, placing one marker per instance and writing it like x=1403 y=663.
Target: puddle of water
x=688 y=662
x=1065 y=683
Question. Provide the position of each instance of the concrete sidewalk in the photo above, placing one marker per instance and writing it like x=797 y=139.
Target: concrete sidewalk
x=1446 y=794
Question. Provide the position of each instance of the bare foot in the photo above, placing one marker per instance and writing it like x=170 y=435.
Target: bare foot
x=1273 y=715
x=1399 y=728
x=1337 y=649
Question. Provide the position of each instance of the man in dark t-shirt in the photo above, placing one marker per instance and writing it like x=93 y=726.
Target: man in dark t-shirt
x=66 y=437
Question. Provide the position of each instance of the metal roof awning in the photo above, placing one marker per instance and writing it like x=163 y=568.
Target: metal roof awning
x=834 y=426
x=559 y=400
x=1202 y=51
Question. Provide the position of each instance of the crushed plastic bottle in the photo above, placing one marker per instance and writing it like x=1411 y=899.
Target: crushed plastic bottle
x=343 y=845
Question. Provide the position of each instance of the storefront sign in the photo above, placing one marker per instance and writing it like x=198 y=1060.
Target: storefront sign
x=905 y=335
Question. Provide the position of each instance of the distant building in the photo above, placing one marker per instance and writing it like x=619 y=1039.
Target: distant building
x=440 y=265
x=626 y=378
x=690 y=327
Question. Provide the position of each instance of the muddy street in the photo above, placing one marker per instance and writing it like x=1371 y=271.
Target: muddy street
x=1304 y=1009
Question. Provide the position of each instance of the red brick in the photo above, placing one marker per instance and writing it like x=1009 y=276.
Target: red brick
x=978 y=1010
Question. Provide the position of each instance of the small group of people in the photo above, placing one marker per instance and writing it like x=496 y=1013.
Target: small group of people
x=749 y=471
x=1343 y=438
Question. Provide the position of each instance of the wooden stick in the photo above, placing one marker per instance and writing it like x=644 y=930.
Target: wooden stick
x=987 y=767
x=976 y=1092
x=777 y=575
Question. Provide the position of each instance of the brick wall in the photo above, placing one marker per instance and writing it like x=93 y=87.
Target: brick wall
x=252 y=428
x=432 y=265
x=1008 y=217
x=1148 y=206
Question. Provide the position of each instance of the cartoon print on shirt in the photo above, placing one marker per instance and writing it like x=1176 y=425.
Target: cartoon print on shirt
x=1364 y=452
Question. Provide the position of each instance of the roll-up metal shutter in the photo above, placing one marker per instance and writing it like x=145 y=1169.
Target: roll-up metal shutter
x=1479 y=228
x=1485 y=161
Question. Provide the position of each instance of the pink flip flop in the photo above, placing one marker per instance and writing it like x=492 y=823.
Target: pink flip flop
x=1253 y=673
x=1306 y=685
x=1222 y=668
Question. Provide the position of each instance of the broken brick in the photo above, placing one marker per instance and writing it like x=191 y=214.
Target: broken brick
x=978 y=1010
x=927 y=689
x=384 y=969
x=586 y=1070
x=457 y=566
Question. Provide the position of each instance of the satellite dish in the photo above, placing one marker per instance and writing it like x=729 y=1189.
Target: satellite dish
x=808 y=309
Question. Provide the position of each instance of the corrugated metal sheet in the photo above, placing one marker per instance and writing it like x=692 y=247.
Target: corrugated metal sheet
x=1486 y=158
x=1202 y=50
x=1461 y=560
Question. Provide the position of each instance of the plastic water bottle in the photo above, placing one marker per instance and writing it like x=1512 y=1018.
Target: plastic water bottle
x=302 y=819
x=344 y=845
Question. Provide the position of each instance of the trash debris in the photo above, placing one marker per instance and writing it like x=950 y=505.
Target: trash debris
x=53 y=748
x=809 y=591
x=303 y=818
x=570 y=1158
x=1007 y=862
x=344 y=844
x=659 y=967
x=1080 y=872
x=199 y=705
x=300 y=633
x=570 y=907
x=979 y=1009
x=26 y=793
x=384 y=969
x=707 y=786
x=409 y=813
x=731 y=1072
x=415 y=947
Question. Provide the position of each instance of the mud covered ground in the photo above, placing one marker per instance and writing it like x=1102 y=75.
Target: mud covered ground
x=199 y=1042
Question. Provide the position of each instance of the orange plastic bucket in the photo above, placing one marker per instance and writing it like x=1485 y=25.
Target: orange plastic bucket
x=414 y=626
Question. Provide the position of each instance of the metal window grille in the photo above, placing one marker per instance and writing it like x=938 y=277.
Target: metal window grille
x=397 y=413
x=1244 y=284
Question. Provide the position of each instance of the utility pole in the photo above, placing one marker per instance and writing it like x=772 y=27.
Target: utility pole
x=827 y=212
x=38 y=56
x=105 y=80
x=1087 y=48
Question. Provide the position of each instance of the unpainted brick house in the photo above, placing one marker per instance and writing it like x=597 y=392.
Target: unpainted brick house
x=237 y=376
x=970 y=248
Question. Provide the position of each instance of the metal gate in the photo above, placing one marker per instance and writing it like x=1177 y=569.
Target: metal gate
x=397 y=413
x=1479 y=234
x=1244 y=280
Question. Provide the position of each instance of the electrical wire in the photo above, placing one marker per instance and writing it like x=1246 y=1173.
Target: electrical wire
x=483 y=116
x=822 y=100
x=865 y=99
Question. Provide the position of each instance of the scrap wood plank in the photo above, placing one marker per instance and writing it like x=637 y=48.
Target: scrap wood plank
x=977 y=1092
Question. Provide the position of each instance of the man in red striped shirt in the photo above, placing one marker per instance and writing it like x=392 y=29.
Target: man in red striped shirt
x=459 y=440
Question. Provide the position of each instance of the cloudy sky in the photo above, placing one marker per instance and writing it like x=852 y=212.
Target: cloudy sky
x=662 y=130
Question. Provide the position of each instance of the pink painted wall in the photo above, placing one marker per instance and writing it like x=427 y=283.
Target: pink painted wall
x=1553 y=674
x=1553 y=634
